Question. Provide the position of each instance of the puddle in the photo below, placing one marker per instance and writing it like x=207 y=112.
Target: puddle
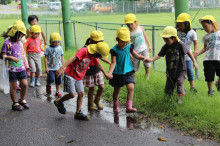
x=125 y=121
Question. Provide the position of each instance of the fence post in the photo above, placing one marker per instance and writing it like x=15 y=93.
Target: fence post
x=60 y=31
x=75 y=36
x=46 y=29
x=123 y=6
x=153 y=44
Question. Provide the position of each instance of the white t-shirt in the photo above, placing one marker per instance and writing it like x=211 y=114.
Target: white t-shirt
x=188 y=40
x=212 y=40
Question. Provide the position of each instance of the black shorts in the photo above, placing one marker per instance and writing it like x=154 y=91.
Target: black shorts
x=121 y=80
x=210 y=68
x=14 y=76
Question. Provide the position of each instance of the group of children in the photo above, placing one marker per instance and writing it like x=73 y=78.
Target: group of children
x=84 y=69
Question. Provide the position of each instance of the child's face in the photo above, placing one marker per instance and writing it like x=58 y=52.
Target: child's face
x=122 y=44
x=169 y=41
x=131 y=26
x=208 y=27
x=181 y=26
x=55 y=43
x=34 y=22
x=21 y=36
x=35 y=35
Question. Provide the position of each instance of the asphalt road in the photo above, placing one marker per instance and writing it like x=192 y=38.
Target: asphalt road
x=43 y=125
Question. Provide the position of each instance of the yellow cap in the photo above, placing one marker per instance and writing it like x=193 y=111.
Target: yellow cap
x=123 y=34
x=168 y=32
x=130 y=18
x=183 y=17
x=18 y=26
x=35 y=29
x=210 y=17
x=55 y=37
x=101 y=48
x=96 y=35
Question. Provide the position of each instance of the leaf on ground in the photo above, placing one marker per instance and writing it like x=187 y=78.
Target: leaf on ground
x=200 y=139
x=61 y=136
x=182 y=134
x=142 y=117
x=162 y=139
x=161 y=127
x=122 y=130
x=42 y=129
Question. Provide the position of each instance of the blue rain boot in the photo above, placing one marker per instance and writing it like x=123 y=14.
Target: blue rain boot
x=37 y=81
x=32 y=81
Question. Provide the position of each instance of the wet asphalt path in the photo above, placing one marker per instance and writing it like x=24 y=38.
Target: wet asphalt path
x=43 y=125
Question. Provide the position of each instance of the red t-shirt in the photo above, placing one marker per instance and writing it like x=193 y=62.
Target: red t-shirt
x=33 y=45
x=77 y=69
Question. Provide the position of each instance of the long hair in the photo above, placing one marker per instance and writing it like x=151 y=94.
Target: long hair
x=187 y=26
x=16 y=36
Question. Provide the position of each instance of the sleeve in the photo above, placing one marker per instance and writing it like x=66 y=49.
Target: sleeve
x=80 y=53
x=162 y=51
x=194 y=36
x=4 y=48
x=46 y=51
x=132 y=48
x=113 y=53
x=95 y=61
x=184 y=48
x=61 y=51
x=27 y=43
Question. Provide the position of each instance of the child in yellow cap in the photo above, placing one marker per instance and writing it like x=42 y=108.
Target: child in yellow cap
x=76 y=68
x=175 y=51
x=93 y=75
x=121 y=69
x=33 y=48
x=11 y=51
x=211 y=49
x=139 y=39
x=189 y=37
x=53 y=60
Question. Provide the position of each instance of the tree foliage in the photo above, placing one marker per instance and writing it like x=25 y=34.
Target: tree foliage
x=153 y=3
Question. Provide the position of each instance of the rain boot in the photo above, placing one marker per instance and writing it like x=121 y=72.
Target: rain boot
x=98 y=103
x=37 y=81
x=116 y=107
x=91 y=104
x=129 y=108
x=32 y=81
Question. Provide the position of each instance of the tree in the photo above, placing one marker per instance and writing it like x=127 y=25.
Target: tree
x=153 y=3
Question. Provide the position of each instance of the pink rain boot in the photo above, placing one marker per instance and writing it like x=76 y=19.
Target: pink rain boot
x=116 y=107
x=129 y=108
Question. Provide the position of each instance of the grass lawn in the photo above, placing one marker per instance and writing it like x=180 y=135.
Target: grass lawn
x=199 y=113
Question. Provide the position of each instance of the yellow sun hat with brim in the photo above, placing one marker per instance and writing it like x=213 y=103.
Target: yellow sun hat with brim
x=101 y=48
x=168 y=32
x=18 y=26
x=96 y=35
x=123 y=34
x=183 y=17
x=209 y=17
x=35 y=29
x=55 y=37
x=130 y=18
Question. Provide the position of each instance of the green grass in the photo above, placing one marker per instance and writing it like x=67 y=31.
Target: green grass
x=199 y=113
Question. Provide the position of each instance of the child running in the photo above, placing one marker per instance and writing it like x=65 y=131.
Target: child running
x=53 y=60
x=11 y=51
x=139 y=39
x=175 y=51
x=33 y=49
x=94 y=76
x=121 y=69
x=76 y=68
x=211 y=49
x=188 y=36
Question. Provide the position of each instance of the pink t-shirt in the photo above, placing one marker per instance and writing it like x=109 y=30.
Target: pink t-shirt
x=33 y=45
x=77 y=69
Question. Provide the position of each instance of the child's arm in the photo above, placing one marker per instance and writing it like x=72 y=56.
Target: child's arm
x=44 y=37
x=28 y=33
x=105 y=60
x=203 y=50
x=196 y=47
x=46 y=64
x=138 y=55
x=102 y=69
x=112 y=66
x=65 y=64
x=147 y=40
x=193 y=59
x=152 y=59
x=9 y=57
x=62 y=59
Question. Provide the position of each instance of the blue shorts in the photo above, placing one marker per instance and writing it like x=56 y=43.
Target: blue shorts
x=51 y=77
x=14 y=76
x=121 y=80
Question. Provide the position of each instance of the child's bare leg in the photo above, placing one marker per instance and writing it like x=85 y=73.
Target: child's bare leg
x=66 y=97
x=134 y=74
x=13 y=86
x=32 y=75
x=58 y=87
x=24 y=85
x=98 y=96
x=210 y=85
x=147 y=70
x=79 y=101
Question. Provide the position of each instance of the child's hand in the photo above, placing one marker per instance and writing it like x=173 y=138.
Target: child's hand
x=14 y=59
x=146 y=59
x=47 y=70
x=150 y=49
x=195 y=65
x=132 y=58
x=109 y=76
x=59 y=71
x=195 y=53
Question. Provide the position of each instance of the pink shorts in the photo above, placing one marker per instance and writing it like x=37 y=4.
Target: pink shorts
x=91 y=81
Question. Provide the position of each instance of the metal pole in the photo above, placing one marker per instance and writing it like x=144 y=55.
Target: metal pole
x=60 y=31
x=46 y=29
x=67 y=26
x=181 y=6
x=153 y=44
x=75 y=36
x=24 y=13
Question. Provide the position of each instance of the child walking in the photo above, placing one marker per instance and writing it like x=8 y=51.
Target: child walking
x=121 y=69
x=188 y=36
x=94 y=76
x=53 y=60
x=175 y=51
x=139 y=39
x=11 y=51
x=212 y=51
x=76 y=68
x=33 y=49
